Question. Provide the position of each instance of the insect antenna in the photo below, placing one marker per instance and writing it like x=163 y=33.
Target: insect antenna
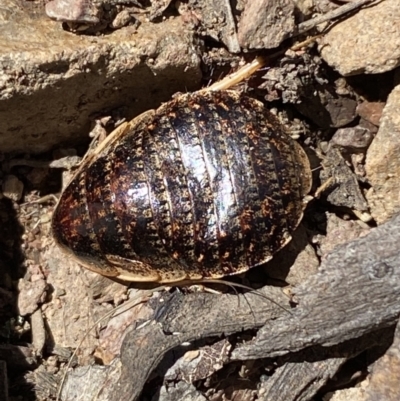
x=242 y=286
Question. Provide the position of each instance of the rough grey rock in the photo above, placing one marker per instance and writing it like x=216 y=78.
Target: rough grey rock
x=371 y=111
x=383 y=162
x=352 y=138
x=368 y=42
x=383 y=382
x=347 y=394
x=266 y=23
x=53 y=82
x=339 y=232
x=30 y=295
x=295 y=262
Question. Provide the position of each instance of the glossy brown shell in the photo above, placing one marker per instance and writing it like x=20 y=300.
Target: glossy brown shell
x=206 y=186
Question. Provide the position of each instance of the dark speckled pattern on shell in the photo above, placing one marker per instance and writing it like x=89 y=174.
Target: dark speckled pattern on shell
x=206 y=186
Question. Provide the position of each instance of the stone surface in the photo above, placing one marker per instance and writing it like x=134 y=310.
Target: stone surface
x=53 y=83
x=383 y=162
x=71 y=311
x=30 y=294
x=371 y=111
x=73 y=11
x=12 y=188
x=94 y=16
x=338 y=231
x=368 y=42
x=295 y=262
x=384 y=381
x=353 y=139
x=340 y=184
x=112 y=336
x=266 y=23
x=348 y=394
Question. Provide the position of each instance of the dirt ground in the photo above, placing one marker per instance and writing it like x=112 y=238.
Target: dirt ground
x=321 y=321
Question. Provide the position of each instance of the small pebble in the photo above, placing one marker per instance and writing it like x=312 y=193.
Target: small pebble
x=45 y=218
x=371 y=111
x=352 y=138
x=12 y=188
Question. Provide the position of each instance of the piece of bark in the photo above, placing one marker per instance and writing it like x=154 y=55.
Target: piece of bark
x=92 y=382
x=266 y=23
x=180 y=391
x=299 y=381
x=355 y=291
x=217 y=314
x=301 y=375
x=45 y=383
